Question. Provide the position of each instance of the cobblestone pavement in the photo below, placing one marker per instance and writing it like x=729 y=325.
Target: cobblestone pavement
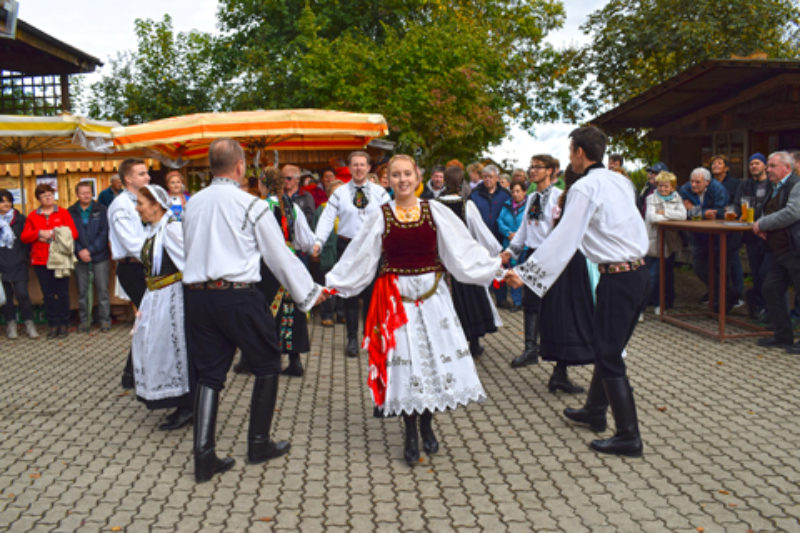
x=719 y=421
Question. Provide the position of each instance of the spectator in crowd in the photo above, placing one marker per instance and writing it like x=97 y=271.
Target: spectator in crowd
x=710 y=198
x=796 y=156
x=780 y=227
x=303 y=200
x=504 y=181
x=519 y=174
x=107 y=195
x=758 y=189
x=664 y=204
x=14 y=267
x=650 y=186
x=615 y=163
x=327 y=258
x=720 y=170
x=489 y=199
x=40 y=232
x=475 y=174
x=508 y=222
x=317 y=188
x=435 y=186
x=176 y=187
x=93 y=253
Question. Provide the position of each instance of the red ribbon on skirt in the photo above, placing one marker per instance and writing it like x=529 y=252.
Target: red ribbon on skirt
x=386 y=315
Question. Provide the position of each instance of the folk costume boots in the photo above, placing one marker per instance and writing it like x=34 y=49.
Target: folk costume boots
x=531 y=354
x=560 y=381
x=262 y=408
x=626 y=440
x=429 y=442
x=593 y=413
x=206 y=462
x=295 y=367
x=411 y=451
x=351 y=324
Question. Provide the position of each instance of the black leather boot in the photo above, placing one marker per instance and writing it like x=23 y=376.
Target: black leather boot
x=475 y=347
x=351 y=324
x=593 y=413
x=262 y=408
x=295 y=367
x=429 y=442
x=411 y=452
x=206 y=462
x=127 y=373
x=560 y=380
x=182 y=416
x=531 y=354
x=626 y=440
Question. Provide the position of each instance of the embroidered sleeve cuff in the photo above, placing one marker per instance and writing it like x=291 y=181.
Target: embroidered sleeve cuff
x=532 y=275
x=309 y=301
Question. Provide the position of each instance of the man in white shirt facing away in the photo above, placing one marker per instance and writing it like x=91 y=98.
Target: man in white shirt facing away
x=351 y=204
x=227 y=232
x=601 y=219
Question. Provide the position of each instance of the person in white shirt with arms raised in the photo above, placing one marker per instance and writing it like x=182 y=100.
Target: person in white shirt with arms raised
x=601 y=219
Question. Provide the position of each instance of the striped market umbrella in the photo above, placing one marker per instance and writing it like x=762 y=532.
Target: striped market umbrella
x=49 y=136
x=187 y=137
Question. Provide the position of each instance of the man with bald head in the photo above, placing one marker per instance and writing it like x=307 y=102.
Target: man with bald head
x=291 y=186
x=227 y=232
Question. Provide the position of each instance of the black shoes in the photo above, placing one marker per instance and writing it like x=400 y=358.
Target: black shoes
x=295 y=367
x=593 y=413
x=475 y=348
x=206 y=462
x=52 y=333
x=411 y=450
x=62 y=331
x=794 y=349
x=531 y=354
x=560 y=381
x=352 y=347
x=181 y=417
x=626 y=441
x=773 y=342
x=260 y=447
x=429 y=442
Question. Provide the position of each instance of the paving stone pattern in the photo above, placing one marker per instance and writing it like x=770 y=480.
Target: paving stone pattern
x=719 y=421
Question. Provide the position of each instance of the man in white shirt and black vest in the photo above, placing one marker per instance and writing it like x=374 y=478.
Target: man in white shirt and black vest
x=600 y=219
x=126 y=234
x=227 y=232
x=351 y=204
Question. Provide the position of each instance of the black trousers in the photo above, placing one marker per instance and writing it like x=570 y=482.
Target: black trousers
x=131 y=277
x=531 y=303
x=56 y=296
x=219 y=321
x=779 y=271
x=20 y=290
x=621 y=298
x=351 y=304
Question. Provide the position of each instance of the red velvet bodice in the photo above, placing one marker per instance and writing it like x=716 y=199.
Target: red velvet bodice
x=409 y=248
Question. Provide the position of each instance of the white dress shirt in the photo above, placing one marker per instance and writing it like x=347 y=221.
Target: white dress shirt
x=600 y=218
x=532 y=232
x=340 y=204
x=125 y=229
x=226 y=233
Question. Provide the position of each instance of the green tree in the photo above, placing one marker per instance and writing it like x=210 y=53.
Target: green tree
x=169 y=74
x=636 y=44
x=446 y=74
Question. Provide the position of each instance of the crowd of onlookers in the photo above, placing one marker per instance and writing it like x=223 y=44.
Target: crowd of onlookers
x=709 y=193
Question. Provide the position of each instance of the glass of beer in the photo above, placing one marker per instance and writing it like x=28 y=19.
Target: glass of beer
x=730 y=212
x=746 y=203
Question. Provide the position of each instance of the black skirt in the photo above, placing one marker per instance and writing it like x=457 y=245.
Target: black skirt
x=473 y=309
x=290 y=322
x=566 y=317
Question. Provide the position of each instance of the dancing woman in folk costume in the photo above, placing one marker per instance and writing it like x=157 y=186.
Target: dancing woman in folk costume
x=160 y=365
x=290 y=322
x=419 y=359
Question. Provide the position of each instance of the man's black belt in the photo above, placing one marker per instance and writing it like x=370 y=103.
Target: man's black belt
x=219 y=285
x=129 y=260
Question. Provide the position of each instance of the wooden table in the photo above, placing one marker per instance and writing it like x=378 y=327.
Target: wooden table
x=711 y=228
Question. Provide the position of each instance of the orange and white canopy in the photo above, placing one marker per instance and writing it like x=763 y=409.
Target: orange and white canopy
x=188 y=137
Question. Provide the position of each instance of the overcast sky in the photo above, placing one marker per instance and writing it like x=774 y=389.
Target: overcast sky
x=102 y=28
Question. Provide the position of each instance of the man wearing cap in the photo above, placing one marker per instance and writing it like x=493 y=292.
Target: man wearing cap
x=351 y=204
x=227 y=233
x=759 y=189
x=126 y=234
x=649 y=187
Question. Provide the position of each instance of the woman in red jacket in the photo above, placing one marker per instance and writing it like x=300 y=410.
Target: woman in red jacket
x=38 y=232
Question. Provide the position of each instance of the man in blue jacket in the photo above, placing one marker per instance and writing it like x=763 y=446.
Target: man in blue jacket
x=91 y=248
x=489 y=199
x=710 y=197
